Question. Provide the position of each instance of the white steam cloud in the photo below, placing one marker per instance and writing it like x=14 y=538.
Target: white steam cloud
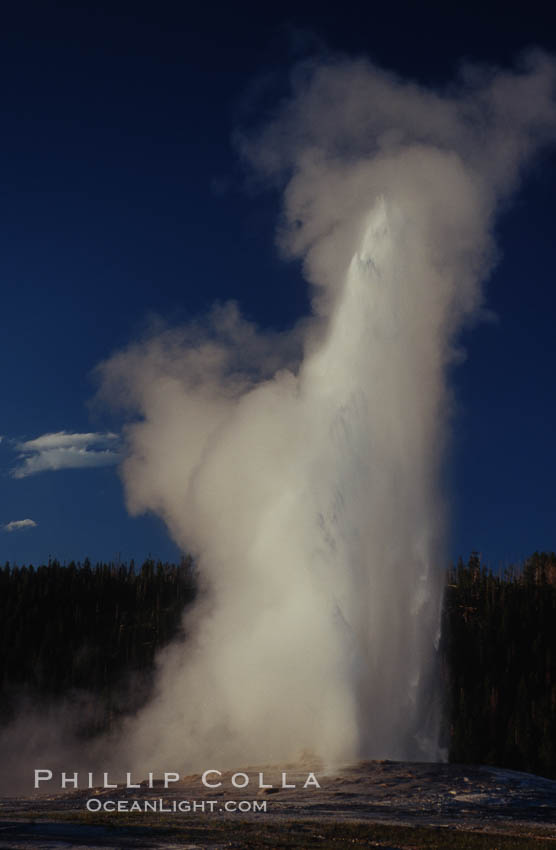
x=63 y=450
x=303 y=469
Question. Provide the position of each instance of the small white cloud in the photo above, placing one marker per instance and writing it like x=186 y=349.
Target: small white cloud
x=63 y=450
x=64 y=440
x=18 y=524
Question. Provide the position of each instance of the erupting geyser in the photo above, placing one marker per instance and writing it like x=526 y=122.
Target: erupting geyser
x=302 y=469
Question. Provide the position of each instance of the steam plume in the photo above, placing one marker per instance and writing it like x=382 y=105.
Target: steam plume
x=303 y=469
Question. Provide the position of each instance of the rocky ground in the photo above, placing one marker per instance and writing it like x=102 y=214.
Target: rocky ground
x=371 y=804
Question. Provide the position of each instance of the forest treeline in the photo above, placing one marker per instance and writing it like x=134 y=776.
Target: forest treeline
x=69 y=631
x=499 y=660
x=80 y=629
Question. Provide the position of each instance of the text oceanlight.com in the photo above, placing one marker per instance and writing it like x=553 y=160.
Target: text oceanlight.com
x=175 y=806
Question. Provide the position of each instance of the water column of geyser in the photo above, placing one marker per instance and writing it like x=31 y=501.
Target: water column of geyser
x=302 y=469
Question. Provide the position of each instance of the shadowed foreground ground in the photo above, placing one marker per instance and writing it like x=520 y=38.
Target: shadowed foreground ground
x=372 y=804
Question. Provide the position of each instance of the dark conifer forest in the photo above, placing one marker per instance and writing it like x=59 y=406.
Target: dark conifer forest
x=94 y=631
x=499 y=657
x=77 y=630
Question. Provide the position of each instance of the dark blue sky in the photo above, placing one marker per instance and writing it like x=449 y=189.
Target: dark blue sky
x=122 y=197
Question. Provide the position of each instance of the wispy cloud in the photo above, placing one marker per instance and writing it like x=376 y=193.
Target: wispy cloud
x=19 y=524
x=62 y=450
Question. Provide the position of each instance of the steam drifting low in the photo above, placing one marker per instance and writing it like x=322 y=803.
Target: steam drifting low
x=303 y=469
